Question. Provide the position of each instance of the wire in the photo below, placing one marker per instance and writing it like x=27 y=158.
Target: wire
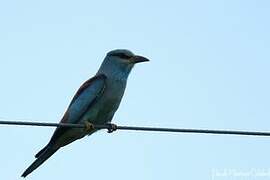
x=113 y=127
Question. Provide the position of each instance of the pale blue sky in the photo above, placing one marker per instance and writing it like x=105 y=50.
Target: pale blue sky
x=209 y=69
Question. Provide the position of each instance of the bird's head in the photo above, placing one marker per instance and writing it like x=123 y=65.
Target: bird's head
x=124 y=56
x=120 y=61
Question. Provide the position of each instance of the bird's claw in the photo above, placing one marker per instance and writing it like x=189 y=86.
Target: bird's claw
x=111 y=128
x=88 y=126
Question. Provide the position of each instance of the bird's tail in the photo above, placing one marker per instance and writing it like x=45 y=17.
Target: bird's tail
x=46 y=153
x=42 y=151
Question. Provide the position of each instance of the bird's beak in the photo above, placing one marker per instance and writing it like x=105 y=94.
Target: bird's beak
x=138 y=59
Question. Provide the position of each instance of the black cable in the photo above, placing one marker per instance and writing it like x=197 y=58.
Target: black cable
x=112 y=127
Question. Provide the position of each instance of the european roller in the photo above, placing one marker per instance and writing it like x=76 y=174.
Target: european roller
x=95 y=102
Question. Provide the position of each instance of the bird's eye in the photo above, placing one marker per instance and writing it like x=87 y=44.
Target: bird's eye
x=122 y=55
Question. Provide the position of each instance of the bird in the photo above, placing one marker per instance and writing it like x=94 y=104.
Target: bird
x=95 y=102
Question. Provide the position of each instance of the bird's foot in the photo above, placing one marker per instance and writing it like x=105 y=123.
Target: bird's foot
x=111 y=127
x=88 y=127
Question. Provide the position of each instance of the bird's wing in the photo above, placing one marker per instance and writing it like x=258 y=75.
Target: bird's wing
x=86 y=96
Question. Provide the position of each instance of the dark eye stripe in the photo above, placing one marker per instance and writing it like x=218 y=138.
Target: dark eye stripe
x=121 y=55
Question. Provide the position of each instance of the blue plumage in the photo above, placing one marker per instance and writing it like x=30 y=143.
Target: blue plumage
x=95 y=102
